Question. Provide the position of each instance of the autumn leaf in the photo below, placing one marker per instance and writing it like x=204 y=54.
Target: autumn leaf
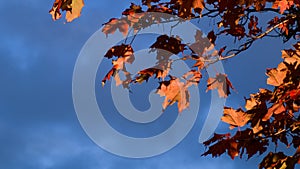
x=216 y=137
x=72 y=7
x=186 y=7
x=76 y=10
x=236 y=118
x=145 y=74
x=110 y=73
x=291 y=57
x=192 y=77
x=133 y=9
x=277 y=75
x=124 y=54
x=171 y=44
x=251 y=103
x=113 y=24
x=283 y=5
x=201 y=44
x=123 y=50
x=225 y=145
x=233 y=149
x=212 y=37
x=217 y=149
x=199 y=63
x=148 y=2
x=257 y=128
x=276 y=108
x=220 y=82
x=252 y=26
x=252 y=145
x=174 y=91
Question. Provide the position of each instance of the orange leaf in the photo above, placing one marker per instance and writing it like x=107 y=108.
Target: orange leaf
x=251 y=103
x=174 y=91
x=276 y=108
x=124 y=54
x=192 y=77
x=220 y=82
x=73 y=8
x=199 y=63
x=283 y=5
x=145 y=74
x=186 y=7
x=277 y=75
x=291 y=57
x=77 y=6
x=113 y=24
x=236 y=118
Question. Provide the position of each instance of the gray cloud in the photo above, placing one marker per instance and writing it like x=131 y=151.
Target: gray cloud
x=38 y=125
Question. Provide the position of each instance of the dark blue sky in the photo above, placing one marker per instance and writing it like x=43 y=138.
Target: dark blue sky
x=38 y=124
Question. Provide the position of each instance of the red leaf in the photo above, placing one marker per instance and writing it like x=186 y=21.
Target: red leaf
x=233 y=149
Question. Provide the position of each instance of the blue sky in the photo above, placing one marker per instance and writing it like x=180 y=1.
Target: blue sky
x=38 y=123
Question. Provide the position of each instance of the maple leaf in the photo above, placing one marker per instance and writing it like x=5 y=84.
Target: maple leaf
x=216 y=137
x=113 y=24
x=145 y=74
x=254 y=146
x=283 y=5
x=236 y=118
x=223 y=145
x=252 y=103
x=72 y=7
x=186 y=7
x=201 y=44
x=220 y=53
x=124 y=82
x=148 y=2
x=212 y=37
x=192 y=77
x=276 y=108
x=160 y=70
x=110 y=73
x=291 y=57
x=277 y=75
x=233 y=149
x=252 y=26
x=220 y=82
x=174 y=91
x=171 y=44
x=76 y=6
x=257 y=128
x=217 y=149
x=133 y=9
x=199 y=63
x=122 y=50
x=124 y=54
x=160 y=8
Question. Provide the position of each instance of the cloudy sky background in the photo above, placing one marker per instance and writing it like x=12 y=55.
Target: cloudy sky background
x=38 y=124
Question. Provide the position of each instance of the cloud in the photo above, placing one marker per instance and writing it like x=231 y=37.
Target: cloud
x=38 y=124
